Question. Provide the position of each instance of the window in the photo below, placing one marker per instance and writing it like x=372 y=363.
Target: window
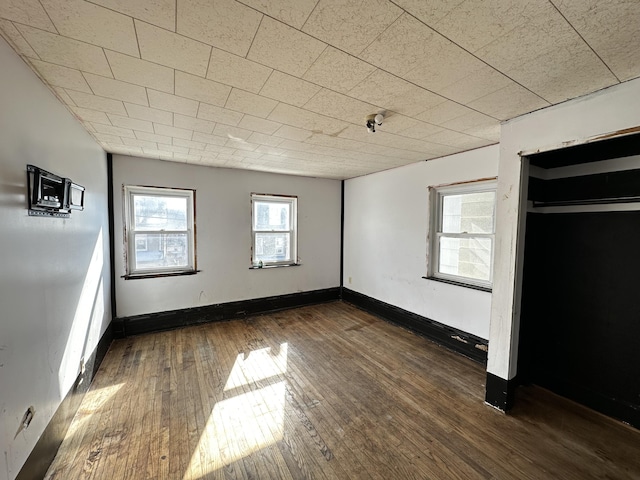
x=463 y=226
x=274 y=230
x=160 y=233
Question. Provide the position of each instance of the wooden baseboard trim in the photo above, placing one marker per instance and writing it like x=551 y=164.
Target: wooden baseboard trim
x=155 y=322
x=500 y=393
x=461 y=342
x=47 y=446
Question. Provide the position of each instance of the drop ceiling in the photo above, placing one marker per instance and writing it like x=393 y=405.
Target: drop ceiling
x=286 y=86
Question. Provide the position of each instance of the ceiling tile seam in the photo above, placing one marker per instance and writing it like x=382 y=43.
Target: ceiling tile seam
x=309 y=16
x=378 y=68
x=175 y=16
x=88 y=84
x=470 y=53
x=326 y=45
x=49 y=17
x=13 y=45
x=135 y=32
x=255 y=34
x=101 y=47
x=121 y=13
x=108 y=63
x=584 y=40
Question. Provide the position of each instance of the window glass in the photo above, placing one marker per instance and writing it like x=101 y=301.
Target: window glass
x=274 y=230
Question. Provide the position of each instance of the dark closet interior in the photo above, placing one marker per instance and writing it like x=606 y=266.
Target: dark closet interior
x=580 y=311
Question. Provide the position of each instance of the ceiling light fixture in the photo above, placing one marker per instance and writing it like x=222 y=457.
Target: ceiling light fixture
x=372 y=121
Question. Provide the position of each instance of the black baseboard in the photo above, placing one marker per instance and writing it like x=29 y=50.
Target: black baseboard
x=612 y=407
x=156 y=322
x=500 y=393
x=461 y=342
x=47 y=446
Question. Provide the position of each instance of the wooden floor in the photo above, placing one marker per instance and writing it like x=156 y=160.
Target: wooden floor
x=322 y=392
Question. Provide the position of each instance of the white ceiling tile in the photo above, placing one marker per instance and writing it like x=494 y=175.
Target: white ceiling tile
x=338 y=70
x=260 y=125
x=294 y=116
x=267 y=150
x=243 y=145
x=107 y=87
x=429 y=12
x=151 y=114
x=478 y=84
x=94 y=102
x=187 y=158
x=132 y=123
x=89 y=127
x=563 y=73
x=132 y=142
x=172 y=50
x=292 y=133
x=172 y=103
x=66 y=51
x=173 y=131
x=337 y=105
x=231 y=132
x=457 y=139
x=173 y=148
x=87 y=115
x=443 y=112
x=420 y=130
x=611 y=29
x=225 y=24
x=236 y=71
x=201 y=89
x=190 y=144
x=93 y=24
x=192 y=123
x=476 y=24
x=219 y=114
x=447 y=64
x=27 y=12
x=105 y=138
x=141 y=72
x=395 y=94
x=58 y=76
x=406 y=44
x=469 y=121
x=250 y=103
x=161 y=13
x=288 y=89
x=509 y=102
x=284 y=48
x=351 y=25
x=262 y=139
x=291 y=13
x=218 y=149
x=152 y=137
x=111 y=130
x=63 y=96
x=209 y=139
x=15 y=39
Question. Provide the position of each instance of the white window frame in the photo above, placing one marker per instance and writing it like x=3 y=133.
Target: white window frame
x=437 y=195
x=129 y=229
x=290 y=200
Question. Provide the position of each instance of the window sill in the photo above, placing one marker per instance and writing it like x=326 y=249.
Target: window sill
x=460 y=284
x=265 y=267
x=137 y=276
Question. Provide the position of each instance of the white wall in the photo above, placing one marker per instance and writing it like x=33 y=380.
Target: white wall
x=575 y=121
x=223 y=223
x=385 y=248
x=54 y=274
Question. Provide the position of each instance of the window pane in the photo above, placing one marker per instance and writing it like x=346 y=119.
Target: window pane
x=160 y=213
x=272 y=247
x=161 y=250
x=466 y=257
x=271 y=216
x=468 y=213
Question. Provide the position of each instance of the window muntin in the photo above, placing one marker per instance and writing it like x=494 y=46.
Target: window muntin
x=464 y=230
x=160 y=231
x=274 y=235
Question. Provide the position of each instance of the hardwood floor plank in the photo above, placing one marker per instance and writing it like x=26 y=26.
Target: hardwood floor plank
x=322 y=392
